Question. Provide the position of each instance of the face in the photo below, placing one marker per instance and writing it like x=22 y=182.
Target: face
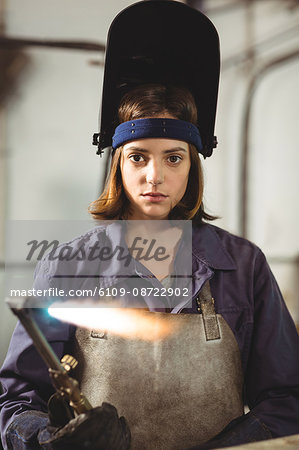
x=155 y=176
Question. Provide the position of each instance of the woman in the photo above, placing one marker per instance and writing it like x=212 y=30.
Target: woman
x=184 y=190
x=157 y=178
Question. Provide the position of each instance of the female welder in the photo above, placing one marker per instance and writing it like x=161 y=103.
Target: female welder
x=236 y=343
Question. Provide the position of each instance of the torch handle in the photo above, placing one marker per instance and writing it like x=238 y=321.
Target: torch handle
x=65 y=385
x=43 y=347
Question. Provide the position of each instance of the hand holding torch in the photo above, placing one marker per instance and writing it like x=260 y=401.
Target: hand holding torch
x=96 y=428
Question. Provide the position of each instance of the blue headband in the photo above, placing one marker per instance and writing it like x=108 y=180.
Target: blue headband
x=157 y=128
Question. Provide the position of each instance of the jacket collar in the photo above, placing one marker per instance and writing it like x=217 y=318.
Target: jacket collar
x=209 y=249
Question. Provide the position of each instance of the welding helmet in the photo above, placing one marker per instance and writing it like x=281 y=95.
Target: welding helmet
x=165 y=42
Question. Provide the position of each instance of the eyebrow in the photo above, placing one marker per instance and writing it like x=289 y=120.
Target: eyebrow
x=144 y=150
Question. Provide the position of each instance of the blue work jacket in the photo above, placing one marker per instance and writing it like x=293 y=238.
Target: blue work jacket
x=246 y=295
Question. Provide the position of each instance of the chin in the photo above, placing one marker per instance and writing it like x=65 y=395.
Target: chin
x=157 y=216
x=150 y=212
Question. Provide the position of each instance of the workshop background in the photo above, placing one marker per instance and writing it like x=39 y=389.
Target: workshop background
x=51 y=68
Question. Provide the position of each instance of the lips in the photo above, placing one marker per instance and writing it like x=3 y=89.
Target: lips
x=154 y=196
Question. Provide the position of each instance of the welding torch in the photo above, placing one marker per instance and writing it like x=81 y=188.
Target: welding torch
x=66 y=386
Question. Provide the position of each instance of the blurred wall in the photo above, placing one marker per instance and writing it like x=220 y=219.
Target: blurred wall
x=260 y=66
x=49 y=169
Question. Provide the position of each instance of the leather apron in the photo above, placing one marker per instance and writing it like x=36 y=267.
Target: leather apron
x=176 y=392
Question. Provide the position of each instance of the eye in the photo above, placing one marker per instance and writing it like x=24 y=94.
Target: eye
x=174 y=159
x=136 y=158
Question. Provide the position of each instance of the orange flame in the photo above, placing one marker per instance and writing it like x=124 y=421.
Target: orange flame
x=125 y=322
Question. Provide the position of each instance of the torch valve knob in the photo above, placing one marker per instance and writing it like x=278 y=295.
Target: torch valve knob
x=69 y=362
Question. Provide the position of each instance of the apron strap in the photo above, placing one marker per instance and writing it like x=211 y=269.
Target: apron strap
x=205 y=304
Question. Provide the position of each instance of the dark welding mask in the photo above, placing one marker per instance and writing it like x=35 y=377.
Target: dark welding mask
x=164 y=42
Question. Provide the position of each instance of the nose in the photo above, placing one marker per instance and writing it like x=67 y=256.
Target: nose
x=155 y=173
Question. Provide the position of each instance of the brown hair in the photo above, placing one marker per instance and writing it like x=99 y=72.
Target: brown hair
x=153 y=100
